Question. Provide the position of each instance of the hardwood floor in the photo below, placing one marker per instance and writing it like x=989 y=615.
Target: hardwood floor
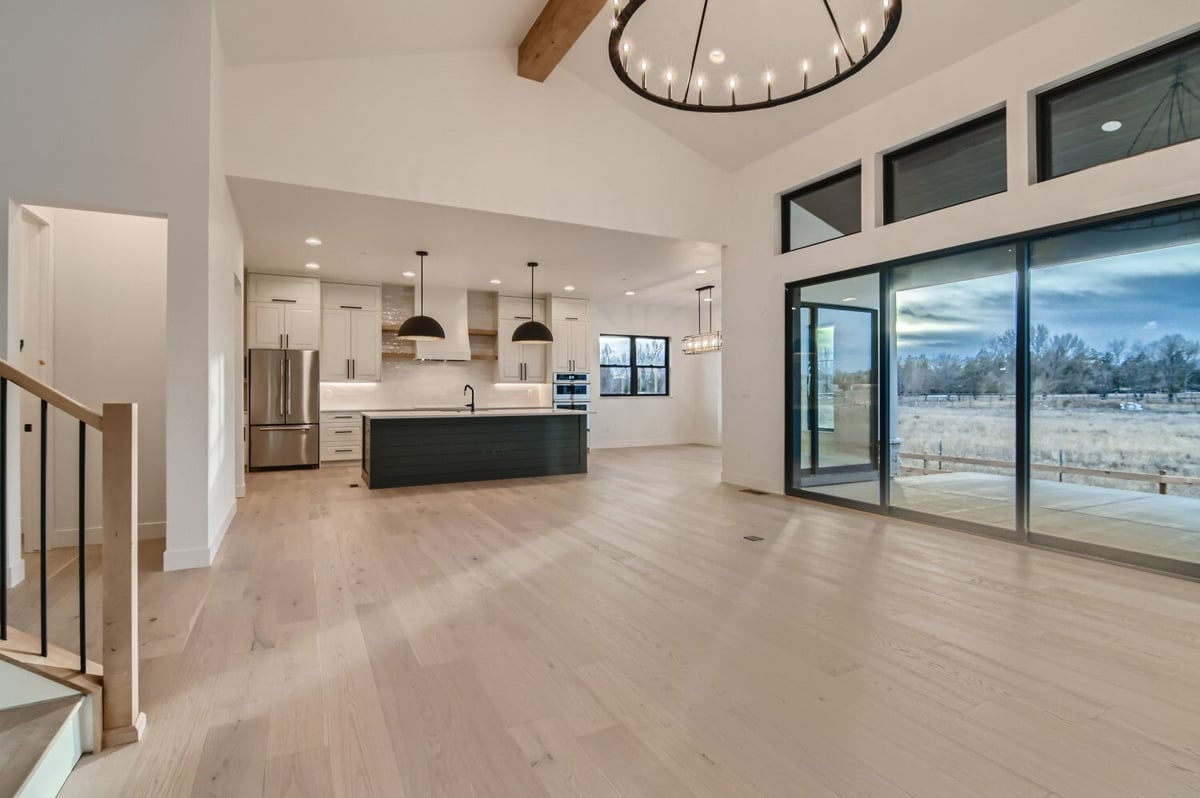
x=614 y=635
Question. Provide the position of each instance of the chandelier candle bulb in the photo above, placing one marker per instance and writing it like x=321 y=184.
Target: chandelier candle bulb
x=805 y=70
x=732 y=91
x=768 y=86
x=837 y=62
x=862 y=29
x=644 y=65
x=670 y=77
x=700 y=90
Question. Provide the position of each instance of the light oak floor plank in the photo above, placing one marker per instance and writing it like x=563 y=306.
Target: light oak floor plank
x=613 y=634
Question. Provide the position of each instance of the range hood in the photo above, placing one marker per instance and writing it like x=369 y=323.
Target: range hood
x=449 y=307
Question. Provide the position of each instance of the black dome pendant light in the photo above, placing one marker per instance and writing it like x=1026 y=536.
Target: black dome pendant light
x=420 y=327
x=532 y=331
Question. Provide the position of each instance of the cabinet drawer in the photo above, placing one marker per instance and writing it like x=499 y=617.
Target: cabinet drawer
x=341 y=418
x=332 y=452
x=332 y=433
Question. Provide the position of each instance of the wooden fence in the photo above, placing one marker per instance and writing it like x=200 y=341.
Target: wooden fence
x=1162 y=478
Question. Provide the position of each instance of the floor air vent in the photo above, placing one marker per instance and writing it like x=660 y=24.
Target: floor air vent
x=752 y=538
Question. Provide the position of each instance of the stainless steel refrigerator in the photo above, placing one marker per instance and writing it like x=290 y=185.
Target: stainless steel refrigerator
x=284 y=408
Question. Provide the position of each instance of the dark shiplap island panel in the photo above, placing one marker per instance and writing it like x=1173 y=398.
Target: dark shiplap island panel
x=428 y=450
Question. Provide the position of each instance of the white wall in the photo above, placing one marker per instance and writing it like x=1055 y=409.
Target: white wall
x=110 y=321
x=1065 y=45
x=225 y=265
x=462 y=129
x=106 y=107
x=689 y=414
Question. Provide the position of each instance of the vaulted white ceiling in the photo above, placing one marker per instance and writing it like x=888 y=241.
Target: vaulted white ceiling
x=932 y=35
x=271 y=31
x=372 y=239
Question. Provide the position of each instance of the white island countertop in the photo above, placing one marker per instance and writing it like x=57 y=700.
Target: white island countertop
x=498 y=412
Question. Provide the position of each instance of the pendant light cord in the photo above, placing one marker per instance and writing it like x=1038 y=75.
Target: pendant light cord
x=710 y=304
x=422 y=308
x=531 y=268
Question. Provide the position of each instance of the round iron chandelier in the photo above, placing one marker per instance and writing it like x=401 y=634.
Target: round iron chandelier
x=723 y=56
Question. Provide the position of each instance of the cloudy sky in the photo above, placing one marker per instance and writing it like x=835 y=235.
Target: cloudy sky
x=1138 y=298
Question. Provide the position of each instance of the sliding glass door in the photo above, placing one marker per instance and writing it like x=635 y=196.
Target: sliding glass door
x=835 y=388
x=953 y=408
x=1045 y=389
x=1115 y=422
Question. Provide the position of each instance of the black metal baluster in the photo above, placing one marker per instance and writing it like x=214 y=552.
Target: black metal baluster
x=42 y=533
x=82 y=553
x=3 y=508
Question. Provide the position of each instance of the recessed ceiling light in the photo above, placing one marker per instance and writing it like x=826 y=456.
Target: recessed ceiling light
x=408 y=274
x=701 y=271
x=1111 y=126
x=717 y=56
x=850 y=299
x=630 y=293
x=708 y=299
x=313 y=241
x=494 y=282
x=312 y=266
x=568 y=288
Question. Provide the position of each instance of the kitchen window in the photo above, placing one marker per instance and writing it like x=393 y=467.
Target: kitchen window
x=634 y=365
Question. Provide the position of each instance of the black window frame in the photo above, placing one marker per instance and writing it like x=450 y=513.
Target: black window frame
x=1022 y=242
x=1043 y=99
x=634 y=367
x=931 y=142
x=785 y=205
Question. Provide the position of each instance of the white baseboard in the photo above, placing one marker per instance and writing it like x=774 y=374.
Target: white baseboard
x=199 y=556
x=747 y=481
x=16 y=573
x=239 y=490
x=61 y=538
x=714 y=442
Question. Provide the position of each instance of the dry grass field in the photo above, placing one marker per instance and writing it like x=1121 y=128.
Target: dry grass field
x=1091 y=432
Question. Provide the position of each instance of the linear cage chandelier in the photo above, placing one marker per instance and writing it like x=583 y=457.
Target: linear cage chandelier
x=722 y=56
x=703 y=342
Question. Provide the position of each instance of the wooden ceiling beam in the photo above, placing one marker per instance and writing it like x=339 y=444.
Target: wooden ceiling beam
x=556 y=29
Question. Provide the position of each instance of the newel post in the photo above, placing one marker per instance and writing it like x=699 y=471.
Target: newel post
x=123 y=719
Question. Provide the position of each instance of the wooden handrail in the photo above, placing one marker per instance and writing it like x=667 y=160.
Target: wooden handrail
x=51 y=396
x=1135 y=476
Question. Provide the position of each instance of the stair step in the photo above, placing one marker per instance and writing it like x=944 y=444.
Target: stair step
x=27 y=737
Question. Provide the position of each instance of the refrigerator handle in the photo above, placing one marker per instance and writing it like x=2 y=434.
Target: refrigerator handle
x=282 y=387
x=289 y=385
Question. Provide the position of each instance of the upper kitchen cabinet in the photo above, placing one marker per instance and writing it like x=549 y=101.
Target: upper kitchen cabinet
x=519 y=362
x=351 y=324
x=282 y=312
x=572 y=344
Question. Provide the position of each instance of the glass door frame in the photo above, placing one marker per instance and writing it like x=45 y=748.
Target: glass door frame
x=814 y=427
x=1020 y=243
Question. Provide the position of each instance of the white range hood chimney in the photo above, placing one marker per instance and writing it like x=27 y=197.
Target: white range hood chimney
x=449 y=307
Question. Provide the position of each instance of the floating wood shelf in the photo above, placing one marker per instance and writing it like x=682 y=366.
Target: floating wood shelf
x=482 y=332
x=482 y=357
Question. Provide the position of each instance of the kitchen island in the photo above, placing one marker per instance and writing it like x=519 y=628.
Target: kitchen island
x=431 y=447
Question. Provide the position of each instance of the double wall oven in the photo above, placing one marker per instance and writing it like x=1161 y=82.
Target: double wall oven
x=572 y=390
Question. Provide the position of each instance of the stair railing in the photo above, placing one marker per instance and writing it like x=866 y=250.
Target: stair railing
x=122 y=722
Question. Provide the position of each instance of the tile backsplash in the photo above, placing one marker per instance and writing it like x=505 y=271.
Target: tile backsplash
x=408 y=383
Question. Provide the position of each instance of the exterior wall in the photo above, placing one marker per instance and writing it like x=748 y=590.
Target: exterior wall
x=1005 y=74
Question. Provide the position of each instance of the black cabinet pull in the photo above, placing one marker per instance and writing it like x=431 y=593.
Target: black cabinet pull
x=351 y=307
x=288 y=301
